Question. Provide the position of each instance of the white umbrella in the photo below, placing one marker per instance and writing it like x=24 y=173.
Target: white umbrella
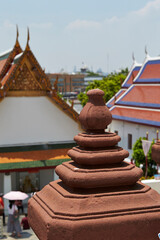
x=15 y=195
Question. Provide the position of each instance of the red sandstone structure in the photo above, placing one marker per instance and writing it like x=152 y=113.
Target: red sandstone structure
x=156 y=152
x=99 y=196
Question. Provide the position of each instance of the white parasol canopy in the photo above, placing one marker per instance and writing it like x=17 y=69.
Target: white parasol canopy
x=15 y=195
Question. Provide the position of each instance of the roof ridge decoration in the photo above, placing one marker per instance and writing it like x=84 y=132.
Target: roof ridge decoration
x=59 y=101
x=135 y=67
x=15 y=51
x=17 y=42
x=133 y=57
x=28 y=38
x=152 y=76
x=146 y=52
x=43 y=80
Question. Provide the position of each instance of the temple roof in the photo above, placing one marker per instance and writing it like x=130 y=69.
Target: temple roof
x=111 y=102
x=150 y=72
x=140 y=103
x=21 y=72
x=3 y=58
x=137 y=115
x=141 y=95
x=131 y=75
x=5 y=55
x=126 y=84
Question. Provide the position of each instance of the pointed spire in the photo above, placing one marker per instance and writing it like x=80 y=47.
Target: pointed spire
x=133 y=57
x=17 y=42
x=28 y=38
x=17 y=32
x=146 y=51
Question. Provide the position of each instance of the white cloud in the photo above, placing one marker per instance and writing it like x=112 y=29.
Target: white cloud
x=41 y=25
x=150 y=7
x=118 y=37
x=83 y=24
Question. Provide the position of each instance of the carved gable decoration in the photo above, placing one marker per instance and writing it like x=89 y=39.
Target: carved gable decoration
x=24 y=80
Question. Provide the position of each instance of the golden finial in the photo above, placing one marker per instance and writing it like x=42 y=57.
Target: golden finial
x=28 y=38
x=133 y=57
x=17 y=43
x=146 y=51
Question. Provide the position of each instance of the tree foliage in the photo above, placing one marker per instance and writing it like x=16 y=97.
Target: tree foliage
x=139 y=157
x=110 y=85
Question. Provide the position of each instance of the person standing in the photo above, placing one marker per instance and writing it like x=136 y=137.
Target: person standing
x=13 y=225
x=2 y=203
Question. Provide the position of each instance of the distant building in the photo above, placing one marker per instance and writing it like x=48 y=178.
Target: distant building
x=67 y=83
x=136 y=107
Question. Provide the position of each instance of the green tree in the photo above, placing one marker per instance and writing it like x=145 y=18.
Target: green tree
x=139 y=157
x=110 y=85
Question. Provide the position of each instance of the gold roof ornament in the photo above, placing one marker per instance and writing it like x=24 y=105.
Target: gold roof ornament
x=146 y=52
x=17 y=45
x=133 y=57
x=28 y=38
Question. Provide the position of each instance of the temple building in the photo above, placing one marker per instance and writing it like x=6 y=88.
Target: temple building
x=126 y=84
x=36 y=126
x=135 y=108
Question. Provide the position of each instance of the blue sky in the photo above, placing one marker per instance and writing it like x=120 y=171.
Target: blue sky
x=101 y=33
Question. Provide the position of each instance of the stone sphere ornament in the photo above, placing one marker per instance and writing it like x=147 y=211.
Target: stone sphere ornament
x=95 y=116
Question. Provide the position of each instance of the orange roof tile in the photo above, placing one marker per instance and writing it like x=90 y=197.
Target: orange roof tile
x=2 y=63
x=28 y=156
x=4 y=80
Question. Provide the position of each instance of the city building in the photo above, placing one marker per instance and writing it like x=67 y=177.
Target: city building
x=69 y=85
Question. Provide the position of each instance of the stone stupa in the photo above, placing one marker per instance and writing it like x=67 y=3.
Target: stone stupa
x=99 y=196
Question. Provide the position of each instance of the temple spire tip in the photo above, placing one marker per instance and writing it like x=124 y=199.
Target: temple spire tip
x=28 y=38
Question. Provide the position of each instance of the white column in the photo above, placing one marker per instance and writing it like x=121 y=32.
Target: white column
x=7 y=188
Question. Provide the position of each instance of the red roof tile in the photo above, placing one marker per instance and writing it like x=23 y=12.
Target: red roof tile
x=136 y=115
x=2 y=63
x=8 y=74
x=142 y=96
x=131 y=76
x=111 y=102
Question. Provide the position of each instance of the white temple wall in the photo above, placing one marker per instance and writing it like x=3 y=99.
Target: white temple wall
x=29 y=120
x=136 y=130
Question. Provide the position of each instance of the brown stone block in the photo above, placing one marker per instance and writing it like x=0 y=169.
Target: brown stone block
x=58 y=212
x=98 y=157
x=86 y=177
x=97 y=140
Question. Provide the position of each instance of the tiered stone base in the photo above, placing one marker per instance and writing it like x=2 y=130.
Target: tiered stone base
x=119 y=213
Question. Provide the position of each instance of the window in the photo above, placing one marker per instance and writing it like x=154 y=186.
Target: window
x=60 y=79
x=60 y=84
x=77 y=80
x=129 y=141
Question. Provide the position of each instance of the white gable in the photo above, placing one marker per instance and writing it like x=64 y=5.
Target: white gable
x=29 y=120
